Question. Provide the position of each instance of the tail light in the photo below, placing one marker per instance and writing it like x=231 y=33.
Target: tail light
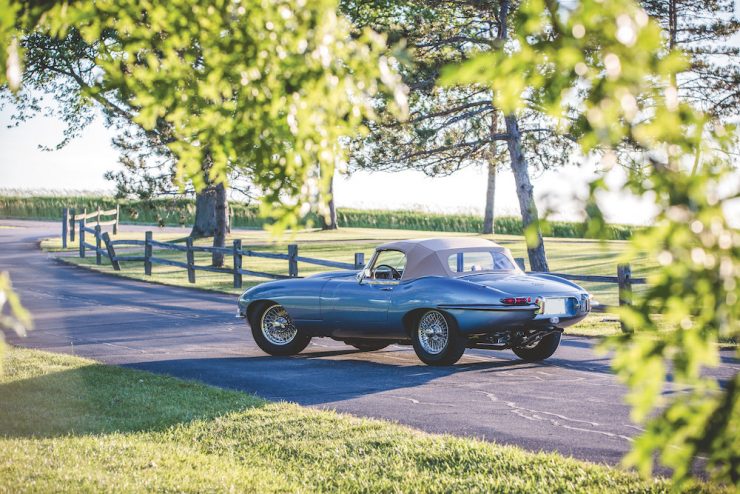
x=516 y=300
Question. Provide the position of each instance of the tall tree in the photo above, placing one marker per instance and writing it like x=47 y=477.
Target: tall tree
x=329 y=219
x=62 y=79
x=608 y=58
x=262 y=85
x=454 y=128
x=707 y=33
x=275 y=87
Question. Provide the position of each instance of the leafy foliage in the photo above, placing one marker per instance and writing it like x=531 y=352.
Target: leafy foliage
x=609 y=59
x=270 y=86
x=448 y=128
x=13 y=316
x=704 y=31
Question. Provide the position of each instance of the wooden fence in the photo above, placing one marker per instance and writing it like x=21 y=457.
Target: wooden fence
x=70 y=218
x=106 y=247
x=623 y=279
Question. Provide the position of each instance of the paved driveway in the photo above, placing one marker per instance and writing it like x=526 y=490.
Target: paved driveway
x=571 y=403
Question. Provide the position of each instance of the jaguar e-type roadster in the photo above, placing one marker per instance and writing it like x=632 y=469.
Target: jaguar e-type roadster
x=442 y=295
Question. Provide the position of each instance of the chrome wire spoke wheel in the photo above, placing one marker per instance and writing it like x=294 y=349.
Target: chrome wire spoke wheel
x=277 y=327
x=434 y=333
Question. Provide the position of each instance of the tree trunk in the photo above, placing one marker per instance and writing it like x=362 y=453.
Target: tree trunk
x=672 y=24
x=222 y=224
x=524 y=189
x=211 y=213
x=525 y=194
x=330 y=223
x=205 y=213
x=488 y=217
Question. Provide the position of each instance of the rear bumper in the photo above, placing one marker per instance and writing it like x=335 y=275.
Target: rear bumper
x=481 y=320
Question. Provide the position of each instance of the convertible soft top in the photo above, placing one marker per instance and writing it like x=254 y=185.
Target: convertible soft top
x=428 y=256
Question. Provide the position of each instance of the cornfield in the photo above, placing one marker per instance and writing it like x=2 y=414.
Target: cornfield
x=180 y=211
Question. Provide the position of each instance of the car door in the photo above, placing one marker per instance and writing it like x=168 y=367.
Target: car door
x=359 y=306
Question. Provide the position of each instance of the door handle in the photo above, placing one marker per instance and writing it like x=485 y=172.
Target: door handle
x=387 y=288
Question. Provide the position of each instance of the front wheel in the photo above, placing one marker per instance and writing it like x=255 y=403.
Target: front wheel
x=541 y=350
x=274 y=332
x=436 y=339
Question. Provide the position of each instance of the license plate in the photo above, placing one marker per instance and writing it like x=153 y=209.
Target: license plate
x=555 y=307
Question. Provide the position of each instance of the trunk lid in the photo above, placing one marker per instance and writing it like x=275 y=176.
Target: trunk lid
x=522 y=284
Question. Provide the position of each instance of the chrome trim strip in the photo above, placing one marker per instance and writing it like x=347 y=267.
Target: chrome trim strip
x=530 y=307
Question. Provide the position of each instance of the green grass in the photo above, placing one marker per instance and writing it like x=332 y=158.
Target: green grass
x=180 y=211
x=71 y=425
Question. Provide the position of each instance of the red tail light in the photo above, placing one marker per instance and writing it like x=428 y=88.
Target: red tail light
x=516 y=300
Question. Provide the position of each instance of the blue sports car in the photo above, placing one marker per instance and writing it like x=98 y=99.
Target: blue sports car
x=442 y=295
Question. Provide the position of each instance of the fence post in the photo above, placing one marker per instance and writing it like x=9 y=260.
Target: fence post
x=97 y=217
x=98 y=258
x=65 y=226
x=237 y=263
x=148 y=253
x=520 y=262
x=624 y=275
x=191 y=259
x=82 y=237
x=72 y=224
x=359 y=260
x=292 y=263
x=115 y=225
x=111 y=252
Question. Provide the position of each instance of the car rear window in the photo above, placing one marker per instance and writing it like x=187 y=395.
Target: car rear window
x=471 y=261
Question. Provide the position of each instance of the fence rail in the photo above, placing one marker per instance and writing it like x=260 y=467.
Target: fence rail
x=70 y=219
x=106 y=247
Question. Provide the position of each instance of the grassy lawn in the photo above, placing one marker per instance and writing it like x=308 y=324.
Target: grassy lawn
x=71 y=425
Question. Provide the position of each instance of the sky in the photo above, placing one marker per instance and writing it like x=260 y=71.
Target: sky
x=81 y=164
x=559 y=193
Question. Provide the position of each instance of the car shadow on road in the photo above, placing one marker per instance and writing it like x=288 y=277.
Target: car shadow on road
x=323 y=376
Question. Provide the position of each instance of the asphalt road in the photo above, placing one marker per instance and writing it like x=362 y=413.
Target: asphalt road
x=571 y=403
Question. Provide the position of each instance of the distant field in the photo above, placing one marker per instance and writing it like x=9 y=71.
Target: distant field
x=180 y=211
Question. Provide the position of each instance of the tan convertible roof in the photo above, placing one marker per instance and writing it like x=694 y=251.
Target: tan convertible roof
x=427 y=256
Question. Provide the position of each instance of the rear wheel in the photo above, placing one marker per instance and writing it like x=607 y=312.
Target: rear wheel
x=436 y=339
x=540 y=350
x=274 y=332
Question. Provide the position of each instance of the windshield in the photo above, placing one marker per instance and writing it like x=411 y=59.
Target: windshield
x=388 y=265
x=483 y=260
